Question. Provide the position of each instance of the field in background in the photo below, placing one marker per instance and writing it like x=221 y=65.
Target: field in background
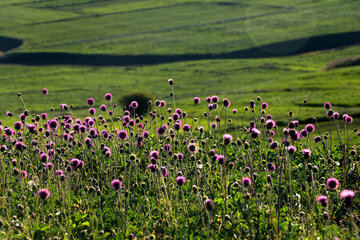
x=176 y=28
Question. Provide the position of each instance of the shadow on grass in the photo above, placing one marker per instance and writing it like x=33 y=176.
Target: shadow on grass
x=6 y=43
x=286 y=48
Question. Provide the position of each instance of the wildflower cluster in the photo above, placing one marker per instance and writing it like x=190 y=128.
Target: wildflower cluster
x=170 y=174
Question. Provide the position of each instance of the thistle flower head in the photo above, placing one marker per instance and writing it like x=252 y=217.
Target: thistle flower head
x=332 y=183
x=246 y=181
x=45 y=91
x=123 y=135
x=116 y=184
x=323 y=200
x=180 y=180
x=44 y=193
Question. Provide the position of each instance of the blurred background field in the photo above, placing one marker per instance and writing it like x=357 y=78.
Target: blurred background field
x=208 y=47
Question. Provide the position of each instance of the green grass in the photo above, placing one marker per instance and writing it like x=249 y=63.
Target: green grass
x=173 y=27
x=283 y=82
x=181 y=27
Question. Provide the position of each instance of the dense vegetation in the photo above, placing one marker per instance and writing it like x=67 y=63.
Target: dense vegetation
x=162 y=175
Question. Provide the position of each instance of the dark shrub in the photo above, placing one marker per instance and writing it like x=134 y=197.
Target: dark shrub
x=141 y=98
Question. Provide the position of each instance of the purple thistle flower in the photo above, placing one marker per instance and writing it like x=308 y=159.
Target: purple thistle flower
x=221 y=159
x=23 y=117
x=45 y=91
x=303 y=133
x=152 y=167
x=252 y=104
x=53 y=124
x=310 y=128
x=164 y=171
x=209 y=205
x=196 y=100
x=171 y=81
x=330 y=113
x=348 y=196
x=336 y=115
x=134 y=104
x=274 y=145
x=63 y=106
x=255 y=133
x=92 y=111
x=59 y=172
x=306 y=153
x=161 y=131
x=270 y=124
x=103 y=108
x=146 y=134
x=175 y=116
x=295 y=136
x=31 y=128
x=323 y=200
x=327 y=105
x=332 y=183
x=74 y=163
x=167 y=147
x=8 y=131
x=226 y=102
x=246 y=181
x=90 y=101
x=293 y=124
x=154 y=154
x=44 y=194
x=8 y=114
x=271 y=167
x=162 y=103
x=291 y=150
x=178 y=111
x=108 y=96
x=180 y=156
x=18 y=125
x=43 y=116
x=234 y=111
x=214 y=99
x=104 y=133
x=177 y=125
x=24 y=173
x=208 y=99
x=186 y=128
x=264 y=105
x=348 y=119
x=227 y=139
x=326 y=215
x=20 y=146
x=317 y=139
x=192 y=148
x=93 y=133
x=123 y=135
x=116 y=184
x=180 y=180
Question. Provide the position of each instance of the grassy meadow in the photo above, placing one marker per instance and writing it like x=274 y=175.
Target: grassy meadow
x=232 y=49
x=175 y=28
